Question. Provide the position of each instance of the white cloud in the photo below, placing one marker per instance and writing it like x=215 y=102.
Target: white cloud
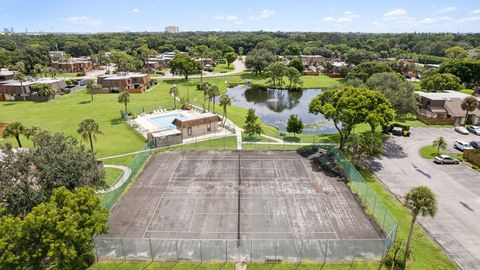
x=135 y=10
x=475 y=12
x=435 y=20
x=395 y=13
x=83 y=21
x=474 y=17
x=266 y=13
x=349 y=16
x=226 y=18
x=329 y=19
x=445 y=10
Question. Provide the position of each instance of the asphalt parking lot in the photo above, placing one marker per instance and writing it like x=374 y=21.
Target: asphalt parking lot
x=456 y=227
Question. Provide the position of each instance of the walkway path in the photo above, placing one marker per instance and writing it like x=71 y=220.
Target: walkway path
x=126 y=174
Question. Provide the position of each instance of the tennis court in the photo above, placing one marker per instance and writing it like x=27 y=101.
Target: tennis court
x=239 y=195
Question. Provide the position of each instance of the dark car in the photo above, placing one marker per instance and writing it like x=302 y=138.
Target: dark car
x=475 y=144
x=474 y=129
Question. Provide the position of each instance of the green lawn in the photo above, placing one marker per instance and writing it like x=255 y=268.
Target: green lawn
x=467 y=91
x=222 y=68
x=429 y=152
x=111 y=175
x=317 y=82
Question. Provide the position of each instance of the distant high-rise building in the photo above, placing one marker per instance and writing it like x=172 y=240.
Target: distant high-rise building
x=5 y=30
x=172 y=29
x=11 y=30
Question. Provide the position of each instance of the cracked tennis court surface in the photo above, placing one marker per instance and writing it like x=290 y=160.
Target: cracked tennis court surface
x=283 y=195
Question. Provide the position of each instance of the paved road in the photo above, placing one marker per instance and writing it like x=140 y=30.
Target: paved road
x=456 y=227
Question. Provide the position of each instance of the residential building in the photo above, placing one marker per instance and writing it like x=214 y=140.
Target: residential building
x=160 y=61
x=313 y=60
x=445 y=108
x=172 y=29
x=15 y=90
x=56 y=55
x=198 y=125
x=124 y=81
x=75 y=65
x=6 y=74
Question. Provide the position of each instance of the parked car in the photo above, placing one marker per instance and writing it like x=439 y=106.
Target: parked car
x=462 y=146
x=474 y=129
x=444 y=159
x=461 y=130
x=475 y=144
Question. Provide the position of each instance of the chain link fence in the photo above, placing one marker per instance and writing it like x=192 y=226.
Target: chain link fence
x=296 y=251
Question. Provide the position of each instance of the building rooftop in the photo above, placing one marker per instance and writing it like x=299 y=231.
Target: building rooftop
x=6 y=72
x=447 y=94
x=30 y=81
x=123 y=76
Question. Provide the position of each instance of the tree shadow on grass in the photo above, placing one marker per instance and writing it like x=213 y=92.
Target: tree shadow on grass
x=85 y=102
x=251 y=138
x=291 y=139
x=116 y=121
x=9 y=104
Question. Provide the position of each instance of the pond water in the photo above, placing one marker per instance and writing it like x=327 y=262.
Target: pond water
x=275 y=106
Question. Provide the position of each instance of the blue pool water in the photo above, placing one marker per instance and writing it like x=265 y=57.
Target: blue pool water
x=166 y=121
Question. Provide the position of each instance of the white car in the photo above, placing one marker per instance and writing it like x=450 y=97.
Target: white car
x=462 y=146
x=444 y=159
x=462 y=130
x=474 y=129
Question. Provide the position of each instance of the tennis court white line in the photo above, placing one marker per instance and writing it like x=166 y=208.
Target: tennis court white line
x=176 y=167
x=193 y=214
x=153 y=215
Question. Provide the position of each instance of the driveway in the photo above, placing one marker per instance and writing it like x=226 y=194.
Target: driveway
x=456 y=227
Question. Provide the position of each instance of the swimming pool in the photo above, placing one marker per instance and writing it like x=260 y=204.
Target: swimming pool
x=165 y=121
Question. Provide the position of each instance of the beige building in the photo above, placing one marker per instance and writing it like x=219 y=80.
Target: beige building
x=172 y=29
x=200 y=125
x=124 y=81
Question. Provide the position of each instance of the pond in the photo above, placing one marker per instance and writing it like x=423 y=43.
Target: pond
x=275 y=106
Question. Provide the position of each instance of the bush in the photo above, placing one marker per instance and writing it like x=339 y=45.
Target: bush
x=396 y=256
x=69 y=82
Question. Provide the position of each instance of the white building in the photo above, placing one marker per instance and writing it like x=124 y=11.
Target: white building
x=172 y=29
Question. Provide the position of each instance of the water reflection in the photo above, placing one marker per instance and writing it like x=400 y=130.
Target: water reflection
x=274 y=107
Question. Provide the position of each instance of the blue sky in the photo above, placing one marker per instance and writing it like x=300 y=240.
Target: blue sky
x=245 y=15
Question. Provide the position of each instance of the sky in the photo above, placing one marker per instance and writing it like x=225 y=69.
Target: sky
x=89 y=16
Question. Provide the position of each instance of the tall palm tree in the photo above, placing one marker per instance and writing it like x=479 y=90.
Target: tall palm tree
x=212 y=93
x=88 y=129
x=124 y=98
x=20 y=76
x=14 y=129
x=90 y=87
x=440 y=143
x=224 y=102
x=421 y=201
x=174 y=93
x=469 y=104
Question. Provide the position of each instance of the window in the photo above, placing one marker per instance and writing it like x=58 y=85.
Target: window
x=189 y=131
x=209 y=127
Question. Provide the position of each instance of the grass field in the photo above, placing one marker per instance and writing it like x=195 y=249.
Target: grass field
x=111 y=175
x=317 y=82
x=430 y=152
x=222 y=68
x=467 y=91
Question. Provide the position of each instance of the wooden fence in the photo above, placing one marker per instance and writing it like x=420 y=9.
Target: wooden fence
x=473 y=156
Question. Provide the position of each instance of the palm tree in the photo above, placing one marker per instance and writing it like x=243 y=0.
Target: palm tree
x=31 y=133
x=14 y=129
x=124 y=98
x=421 y=201
x=88 y=129
x=90 y=87
x=212 y=92
x=20 y=76
x=469 y=104
x=174 y=93
x=440 y=143
x=224 y=102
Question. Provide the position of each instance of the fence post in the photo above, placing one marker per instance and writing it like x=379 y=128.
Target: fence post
x=226 y=251
x=176 y=247
x=276 y=245
x=151 y=250
x=325 y=253
x=384 y=217
x=301 y=251
x=123 y=250
x=374 y=206
x=201 y=252
x=251 y=251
